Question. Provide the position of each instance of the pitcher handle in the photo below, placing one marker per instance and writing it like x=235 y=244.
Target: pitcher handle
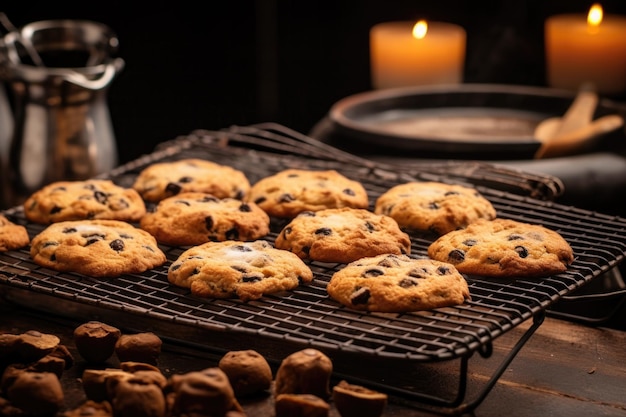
x=98 y=83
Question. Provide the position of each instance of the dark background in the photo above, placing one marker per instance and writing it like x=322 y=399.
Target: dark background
x=195 y=64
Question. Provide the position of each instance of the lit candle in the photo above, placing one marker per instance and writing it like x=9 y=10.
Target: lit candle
x=582 y=49
x=409 y=53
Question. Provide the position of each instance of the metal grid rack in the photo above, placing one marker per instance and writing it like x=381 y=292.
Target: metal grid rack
x=277 y=325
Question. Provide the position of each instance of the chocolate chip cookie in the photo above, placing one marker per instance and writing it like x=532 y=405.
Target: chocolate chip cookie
x=398 y=283
x=12 y=235
x=232 y=269
x=195 y=218
x=97 y=248
x=342 y=235
x=166 y=179
x=504 y=248
x=435 y=207
x=292 y=191
x=84 y=200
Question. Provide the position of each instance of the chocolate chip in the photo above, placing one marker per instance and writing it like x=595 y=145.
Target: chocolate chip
x=117 y=245
x=55 y=210
x=176 y=266
x=69 y=230
x=173 y=188
x=418 y=273
x=240 y=194
x=186 y=203
x=195 y=271
x=370 y=227
x=100 y=197
x=208 y=222
x=242 y=248
x=325 y=231
x=449 y=193
x=208 y=199
x=239 y=268
x=125 y=236
x=360 y=296
x=293 y=176
x=45 y=245
x=245 y=208
x=443 y=270
x=521 y=251
x=433 y=205
x=307 y=213
x=407 y=283
x=349 y=191
x=286 y=231
x=185 y=180
x=515 y=237
x=260 y=200
x=306 y=249
x=388 y=262
x=232 y=234
x=286 y=198
x=456 y=255
x=371 y=273
x=251 y=278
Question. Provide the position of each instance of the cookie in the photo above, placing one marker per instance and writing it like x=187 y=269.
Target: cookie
x=504 y=248
x=398 y=283
x=342 y=235
x=97 y=248
x=232 y=269
x=166 y=179
x=12 y=235
x=434 y=207
x=84 y=200
x=292 y=191
x=195 y=218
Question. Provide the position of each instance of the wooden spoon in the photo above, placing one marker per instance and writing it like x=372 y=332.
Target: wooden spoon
x=579 y=139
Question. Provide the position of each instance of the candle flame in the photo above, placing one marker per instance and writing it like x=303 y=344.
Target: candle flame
x=420 y=29
x=594 y=18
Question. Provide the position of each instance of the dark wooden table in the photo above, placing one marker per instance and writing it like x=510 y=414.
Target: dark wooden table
x=565 y=369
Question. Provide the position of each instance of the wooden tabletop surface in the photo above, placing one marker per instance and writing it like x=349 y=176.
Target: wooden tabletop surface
x=564 y=369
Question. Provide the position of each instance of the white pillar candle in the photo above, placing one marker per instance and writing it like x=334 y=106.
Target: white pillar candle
x=435 y=54
x=586 y=49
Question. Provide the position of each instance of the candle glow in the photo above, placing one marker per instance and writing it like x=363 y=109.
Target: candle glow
x=408 y=53
x=587 y=48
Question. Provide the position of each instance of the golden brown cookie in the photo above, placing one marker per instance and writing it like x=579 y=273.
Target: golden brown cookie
x=12 y=235
x=398 y=283
x=166 y=179
x=98 y=248
x=292 y=191
x=230 y=269
x=342 y=235
x=504 y=248
x=84 y=200
x=195 y=218
x=433 y=206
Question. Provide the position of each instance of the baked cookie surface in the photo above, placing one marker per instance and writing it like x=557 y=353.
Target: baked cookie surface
x=432 y=206
x=97 y=248
x=12 y=235
x=504 y=248
x=234 y=269
x=84 y=200
x=398 y=283
x=195 y=218
x=292 y=191
x=166 y=179
x=342 y=235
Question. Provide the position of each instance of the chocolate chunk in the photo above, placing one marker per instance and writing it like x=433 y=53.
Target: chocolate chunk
x=117 y=245
x=286 y=198
x=456 y=255
x=208 y=222
x=360 y=296
x=407 y=283
x=232 y=234
x=100 y=197
x=95 y=341
x=245 y=208
x=371 y=273
x=173 y=188
x=521 y=251
x=325 y=231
